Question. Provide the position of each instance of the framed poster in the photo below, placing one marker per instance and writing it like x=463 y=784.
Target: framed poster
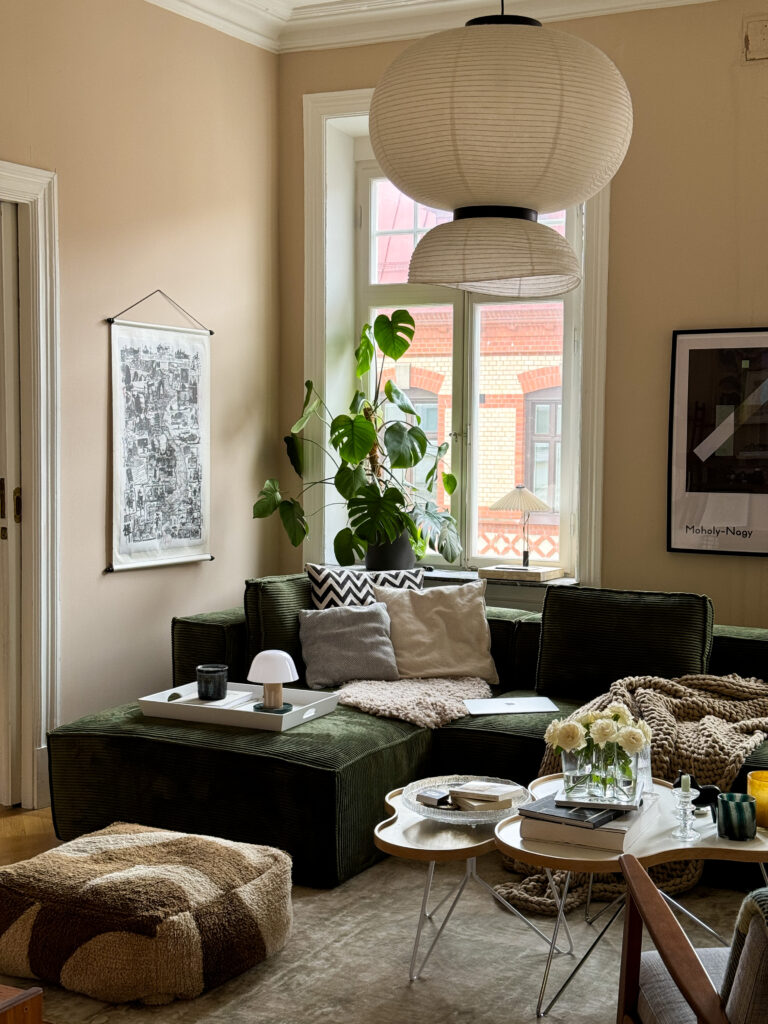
x=717 y=497
x=160 y=445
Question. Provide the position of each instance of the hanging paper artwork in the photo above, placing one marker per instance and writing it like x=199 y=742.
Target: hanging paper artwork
x=160 y=445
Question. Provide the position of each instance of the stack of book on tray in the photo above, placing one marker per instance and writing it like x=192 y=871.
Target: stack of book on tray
x=471 y=796
x=609 y=826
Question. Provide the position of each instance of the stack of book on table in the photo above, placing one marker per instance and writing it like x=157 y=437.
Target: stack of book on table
x=609 y=826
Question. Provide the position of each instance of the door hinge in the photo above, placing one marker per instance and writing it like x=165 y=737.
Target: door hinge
x=17 y=504
x=2 y=497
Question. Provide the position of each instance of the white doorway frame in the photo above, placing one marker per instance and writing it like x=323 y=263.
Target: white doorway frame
x=34 y=192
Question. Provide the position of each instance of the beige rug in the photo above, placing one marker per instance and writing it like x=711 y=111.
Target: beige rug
x=346 y=962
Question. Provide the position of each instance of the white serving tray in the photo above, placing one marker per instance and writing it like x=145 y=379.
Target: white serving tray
x=237 y=707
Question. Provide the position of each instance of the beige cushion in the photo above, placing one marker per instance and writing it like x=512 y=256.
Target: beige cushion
x=135 y=913
x=441 y=631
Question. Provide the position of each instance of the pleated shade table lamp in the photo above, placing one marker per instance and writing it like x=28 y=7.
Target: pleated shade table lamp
x=499 y=121
x=521 y=500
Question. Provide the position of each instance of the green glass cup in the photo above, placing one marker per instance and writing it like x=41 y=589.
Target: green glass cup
x=736 y=816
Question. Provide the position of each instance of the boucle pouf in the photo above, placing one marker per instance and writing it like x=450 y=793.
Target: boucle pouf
x=136 y=913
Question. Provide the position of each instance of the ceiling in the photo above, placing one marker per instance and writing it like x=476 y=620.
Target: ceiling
x=284 y=25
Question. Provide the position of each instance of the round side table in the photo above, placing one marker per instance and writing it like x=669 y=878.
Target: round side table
x=408 y=835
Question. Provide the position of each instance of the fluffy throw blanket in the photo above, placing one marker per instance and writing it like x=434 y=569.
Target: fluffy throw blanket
x=702 y=725
x=429 y=703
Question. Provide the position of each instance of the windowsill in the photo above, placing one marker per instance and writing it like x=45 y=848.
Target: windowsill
x=499 y=593
x=467 y=575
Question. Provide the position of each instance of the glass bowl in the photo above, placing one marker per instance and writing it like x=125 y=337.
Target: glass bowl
x=453 y=816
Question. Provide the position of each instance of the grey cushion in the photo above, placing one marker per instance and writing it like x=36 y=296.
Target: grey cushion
x=660 y=1001
x=339 y=644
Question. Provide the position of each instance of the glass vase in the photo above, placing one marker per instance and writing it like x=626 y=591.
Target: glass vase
x=602 y=778
x=626 y=775
x=577 y=768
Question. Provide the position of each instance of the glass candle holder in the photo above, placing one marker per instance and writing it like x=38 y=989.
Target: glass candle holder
x=757 y=786
x=684 y=811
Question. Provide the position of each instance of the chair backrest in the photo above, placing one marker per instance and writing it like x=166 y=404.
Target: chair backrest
x=591 y=637
x=745 y=986
x=646 y=906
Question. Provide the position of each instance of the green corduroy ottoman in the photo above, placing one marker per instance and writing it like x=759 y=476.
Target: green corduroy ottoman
x=315 y=791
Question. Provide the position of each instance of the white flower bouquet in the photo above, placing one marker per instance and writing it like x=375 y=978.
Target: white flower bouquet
x=599 y=750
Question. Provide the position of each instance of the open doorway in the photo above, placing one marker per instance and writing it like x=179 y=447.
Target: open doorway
x=29 y=617
x=10 y=511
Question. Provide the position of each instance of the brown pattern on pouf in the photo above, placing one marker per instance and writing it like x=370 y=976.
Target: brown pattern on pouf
x=136 y=913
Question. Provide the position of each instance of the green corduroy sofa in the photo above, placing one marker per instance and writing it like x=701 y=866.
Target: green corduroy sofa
x=317 y=790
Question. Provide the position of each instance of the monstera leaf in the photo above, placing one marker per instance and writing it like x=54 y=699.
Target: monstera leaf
x=393 y=334
x=406 y=446
x=352 y=437
x=377 y=517
x=269 y=499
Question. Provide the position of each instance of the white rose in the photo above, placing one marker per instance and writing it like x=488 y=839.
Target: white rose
x=572 y=736
x=619 y=712
x=645 y=729
x=631 y=739
x=603 y=731
x=588 y=718
x=551 y=736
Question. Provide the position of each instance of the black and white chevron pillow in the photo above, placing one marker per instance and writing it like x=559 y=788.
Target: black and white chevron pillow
x=333 y=588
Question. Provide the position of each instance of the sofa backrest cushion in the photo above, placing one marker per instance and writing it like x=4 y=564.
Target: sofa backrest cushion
x=590 y=637
x=741 y=651
x=272 y=606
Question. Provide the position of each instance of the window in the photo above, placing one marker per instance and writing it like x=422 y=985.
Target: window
x=479 y=365
x=494 y=371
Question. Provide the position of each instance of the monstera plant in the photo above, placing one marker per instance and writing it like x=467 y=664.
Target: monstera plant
x=373 y=446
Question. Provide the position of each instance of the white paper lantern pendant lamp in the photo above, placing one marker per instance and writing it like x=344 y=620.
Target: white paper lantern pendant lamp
x=499 y=121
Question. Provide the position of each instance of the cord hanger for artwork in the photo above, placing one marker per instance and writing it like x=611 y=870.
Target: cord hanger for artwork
x=117 y=318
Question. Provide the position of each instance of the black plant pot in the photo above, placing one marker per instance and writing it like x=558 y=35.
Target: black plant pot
x=397 y=555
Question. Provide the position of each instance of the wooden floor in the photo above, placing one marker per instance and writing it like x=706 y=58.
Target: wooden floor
x=25 y=833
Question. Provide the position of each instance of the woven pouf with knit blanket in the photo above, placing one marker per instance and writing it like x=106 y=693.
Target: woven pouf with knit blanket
x=136 y=913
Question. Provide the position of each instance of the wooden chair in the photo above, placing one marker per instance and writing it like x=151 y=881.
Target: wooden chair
x=21 y=1006
x=677 y=984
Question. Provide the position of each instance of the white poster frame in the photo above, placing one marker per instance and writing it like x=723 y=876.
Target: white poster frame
x=719 y=521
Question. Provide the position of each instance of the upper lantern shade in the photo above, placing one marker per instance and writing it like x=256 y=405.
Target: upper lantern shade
x=500 y=115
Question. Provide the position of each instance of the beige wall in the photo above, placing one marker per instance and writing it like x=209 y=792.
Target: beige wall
x=689 y=231
x=163 y=136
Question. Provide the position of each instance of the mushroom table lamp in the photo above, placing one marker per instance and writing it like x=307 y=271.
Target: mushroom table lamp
x=272 y=669
x=520 y=500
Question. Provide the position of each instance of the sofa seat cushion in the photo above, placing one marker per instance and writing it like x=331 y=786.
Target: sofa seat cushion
x=590 y=638
x=505 y=746
x=134 y=913
x=316 y=790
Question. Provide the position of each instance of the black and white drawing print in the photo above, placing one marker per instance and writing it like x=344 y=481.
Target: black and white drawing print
x=161 y=445
x=718 y=451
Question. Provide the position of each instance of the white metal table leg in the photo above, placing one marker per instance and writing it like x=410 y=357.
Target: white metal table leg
x=508 y=906
x=470 y=873
x=558 y=921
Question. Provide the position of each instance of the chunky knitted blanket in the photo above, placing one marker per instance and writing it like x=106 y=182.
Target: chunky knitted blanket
x=702 y=725
x=429 y=703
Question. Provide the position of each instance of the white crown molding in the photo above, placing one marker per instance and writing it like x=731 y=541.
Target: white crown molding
x=283 y=26
x=260 y=22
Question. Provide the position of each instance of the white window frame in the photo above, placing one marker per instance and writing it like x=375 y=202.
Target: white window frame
x=333 y=143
